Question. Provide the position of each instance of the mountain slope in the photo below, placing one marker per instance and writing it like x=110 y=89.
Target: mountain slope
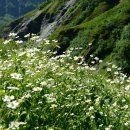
x=100 y=27
x=11 y=9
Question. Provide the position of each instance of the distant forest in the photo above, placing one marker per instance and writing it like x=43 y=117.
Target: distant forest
x=11 y=9
x=17 y=8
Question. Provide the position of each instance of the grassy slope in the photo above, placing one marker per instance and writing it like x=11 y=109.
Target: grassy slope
x=103 y=31
x=98 y=22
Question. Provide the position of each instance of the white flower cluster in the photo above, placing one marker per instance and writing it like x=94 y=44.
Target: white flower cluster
x=16 y=76
x=15 y=125
x=11 y=103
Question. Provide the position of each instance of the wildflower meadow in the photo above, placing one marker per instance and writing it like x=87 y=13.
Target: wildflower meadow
x=40 y=90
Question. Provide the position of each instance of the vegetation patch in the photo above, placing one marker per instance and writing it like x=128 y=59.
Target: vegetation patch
x=40 y=90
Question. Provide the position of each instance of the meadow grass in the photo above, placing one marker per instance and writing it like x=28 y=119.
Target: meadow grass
x=44 y=91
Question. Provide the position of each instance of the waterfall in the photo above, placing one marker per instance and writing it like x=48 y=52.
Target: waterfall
x=47 y=28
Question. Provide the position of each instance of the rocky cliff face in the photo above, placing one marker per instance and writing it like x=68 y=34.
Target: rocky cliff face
x=99 y=27
x=41 y=21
